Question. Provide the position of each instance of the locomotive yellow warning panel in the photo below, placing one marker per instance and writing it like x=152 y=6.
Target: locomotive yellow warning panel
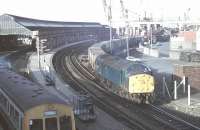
x=141 y=83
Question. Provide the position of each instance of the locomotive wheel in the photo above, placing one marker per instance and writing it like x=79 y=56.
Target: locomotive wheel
x=139 y=99
x=152 y=98
x=147 y=96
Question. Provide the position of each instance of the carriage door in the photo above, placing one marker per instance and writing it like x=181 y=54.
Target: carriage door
x=36 y=124
x=51 y=122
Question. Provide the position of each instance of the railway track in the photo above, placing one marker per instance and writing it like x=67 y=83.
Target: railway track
x=155 y=118
x=99 y=98
x=175 y=122
x=156 y=112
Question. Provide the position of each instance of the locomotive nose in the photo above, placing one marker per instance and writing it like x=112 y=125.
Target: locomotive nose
x=141 y=83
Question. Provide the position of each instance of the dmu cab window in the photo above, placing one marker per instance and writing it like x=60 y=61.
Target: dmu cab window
x=65 y=123
x=51 y=123
x=36 y=124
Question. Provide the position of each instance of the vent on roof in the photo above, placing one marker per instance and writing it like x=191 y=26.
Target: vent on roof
x=24 y=83
x=24 y=78
x=31 y=84
x=15 y=81
x=35 y=95
x=15 y=77
x=38 y=91
x=41 y=89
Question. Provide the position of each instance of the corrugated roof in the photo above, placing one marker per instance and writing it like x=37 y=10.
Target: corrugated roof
x=35 y=23
x=24 y=92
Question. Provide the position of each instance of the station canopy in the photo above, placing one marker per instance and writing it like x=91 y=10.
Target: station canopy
x=16 y=25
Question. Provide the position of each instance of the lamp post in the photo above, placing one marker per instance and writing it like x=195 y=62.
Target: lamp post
x=108 y=13
x=151 y=36
x=127 y=28
x=40 y=48
x=127 y=39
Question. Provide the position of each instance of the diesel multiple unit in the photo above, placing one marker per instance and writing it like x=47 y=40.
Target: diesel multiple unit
x=29 y=106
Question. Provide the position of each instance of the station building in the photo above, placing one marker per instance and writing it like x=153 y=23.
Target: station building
x=20 y=30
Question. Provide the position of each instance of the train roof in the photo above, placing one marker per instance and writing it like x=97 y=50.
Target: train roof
x=24 y=26
x=98 y=45
x=36 y=23
x=122 y=64
x=24 y=92
x=115 y=62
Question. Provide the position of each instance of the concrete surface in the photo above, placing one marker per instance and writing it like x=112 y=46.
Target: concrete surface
x=181 y=104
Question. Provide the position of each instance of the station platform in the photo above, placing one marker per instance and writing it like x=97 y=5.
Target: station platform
x=181 y=105
x=103 y=122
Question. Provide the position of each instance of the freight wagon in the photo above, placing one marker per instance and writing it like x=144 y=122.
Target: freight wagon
x=120 y=45
x=95 y=51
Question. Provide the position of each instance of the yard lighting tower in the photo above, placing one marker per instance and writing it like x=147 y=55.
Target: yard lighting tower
x=125 y=17
x=108 y=13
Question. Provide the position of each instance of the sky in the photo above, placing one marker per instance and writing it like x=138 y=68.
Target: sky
x=92 y=10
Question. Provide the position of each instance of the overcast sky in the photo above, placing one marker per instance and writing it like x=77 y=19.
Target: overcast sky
x=92 y=10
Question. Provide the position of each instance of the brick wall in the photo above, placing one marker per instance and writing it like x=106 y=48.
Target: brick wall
x=189 y=36
x=190 y=71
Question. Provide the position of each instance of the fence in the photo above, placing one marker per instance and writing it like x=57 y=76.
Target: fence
x=183 y=83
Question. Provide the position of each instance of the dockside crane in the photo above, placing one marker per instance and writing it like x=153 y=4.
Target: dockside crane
x=108 y=14
x=124 y=13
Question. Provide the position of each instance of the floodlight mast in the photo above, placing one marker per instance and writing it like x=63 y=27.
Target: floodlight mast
x=108 y=14
x=124 y=13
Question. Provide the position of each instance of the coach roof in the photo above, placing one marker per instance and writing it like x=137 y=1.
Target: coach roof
x=24 y=92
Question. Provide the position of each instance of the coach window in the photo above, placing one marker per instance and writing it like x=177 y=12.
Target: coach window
x=12 y=111
x=51 y=123
x=7 y=106
x=65 y=123
x=4 y=101
x=1 y=98
x=16 y=117
x=36 y=124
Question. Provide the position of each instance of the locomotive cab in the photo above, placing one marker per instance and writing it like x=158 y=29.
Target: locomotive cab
x=140 y=79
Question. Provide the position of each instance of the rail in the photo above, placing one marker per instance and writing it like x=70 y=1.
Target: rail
x=130 y=113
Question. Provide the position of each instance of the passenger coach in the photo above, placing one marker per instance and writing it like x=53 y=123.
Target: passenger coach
x=28 y=106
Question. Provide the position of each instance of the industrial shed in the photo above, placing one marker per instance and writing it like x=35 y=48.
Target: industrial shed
x=20 y=30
